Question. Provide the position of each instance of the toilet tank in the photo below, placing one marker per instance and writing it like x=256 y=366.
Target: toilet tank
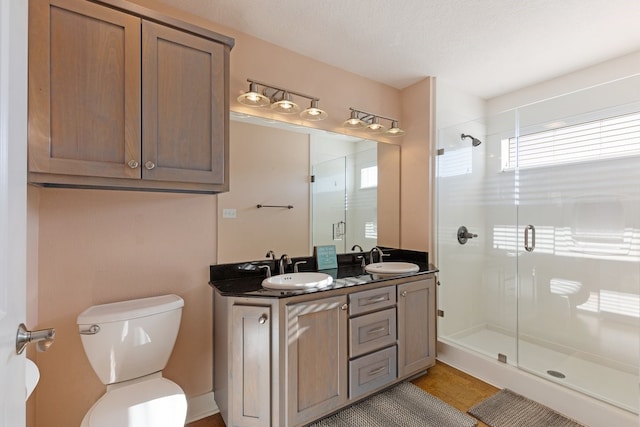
x=130 y=339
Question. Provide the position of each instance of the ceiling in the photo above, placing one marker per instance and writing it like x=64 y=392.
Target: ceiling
x=484 y=47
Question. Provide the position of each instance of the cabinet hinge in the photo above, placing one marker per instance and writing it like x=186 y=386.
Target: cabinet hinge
x=440 y=313
x=502 y=358
x=313 y=178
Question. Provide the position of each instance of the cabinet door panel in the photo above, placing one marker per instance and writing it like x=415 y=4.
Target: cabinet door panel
x=416 y=326
x=184 y=120
x=317 y=355
x=84 y=89
x=251 y=366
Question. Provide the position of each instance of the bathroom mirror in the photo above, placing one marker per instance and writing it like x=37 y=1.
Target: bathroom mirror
x=313 y=187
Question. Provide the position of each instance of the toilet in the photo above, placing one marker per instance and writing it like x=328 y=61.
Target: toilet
x=128 y=344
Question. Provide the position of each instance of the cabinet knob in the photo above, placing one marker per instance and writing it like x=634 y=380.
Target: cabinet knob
x=263 y=319
x=133 y=164
x=149 y=165
x=403 y=293
x=344 y=306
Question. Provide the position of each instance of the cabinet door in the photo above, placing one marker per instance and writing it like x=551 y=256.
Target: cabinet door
x=416 y=326
x=316 y=358
x=84 y=89
x=251 y=366
x=184 y=115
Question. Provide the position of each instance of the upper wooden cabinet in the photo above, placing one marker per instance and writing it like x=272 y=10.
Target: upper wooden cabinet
x=118 y=99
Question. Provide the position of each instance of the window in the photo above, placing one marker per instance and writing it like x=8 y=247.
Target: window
x=369 y=177
x=600 y=139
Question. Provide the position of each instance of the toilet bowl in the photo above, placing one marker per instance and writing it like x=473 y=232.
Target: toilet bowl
x=128 y=344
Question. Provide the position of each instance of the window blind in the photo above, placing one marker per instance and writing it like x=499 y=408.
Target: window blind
x=596 y=140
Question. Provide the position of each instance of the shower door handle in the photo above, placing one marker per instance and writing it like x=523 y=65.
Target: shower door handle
x=527 y=247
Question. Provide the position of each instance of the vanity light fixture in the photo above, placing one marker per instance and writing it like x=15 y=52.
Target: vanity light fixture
x=313 y=113
x=395 y=130
x=375 y=125
x=359 y=119
x=285 y=105
x=253 y=98
x=354 y=121
x=280 y=100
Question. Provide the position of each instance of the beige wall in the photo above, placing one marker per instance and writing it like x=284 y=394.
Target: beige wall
x=415 y=204
x=88 y=246
x=103 y=246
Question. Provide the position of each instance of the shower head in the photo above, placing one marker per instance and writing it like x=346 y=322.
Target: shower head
x=474 y=141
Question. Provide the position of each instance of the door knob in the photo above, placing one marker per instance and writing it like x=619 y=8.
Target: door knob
x=464 y=235
x=44 y=338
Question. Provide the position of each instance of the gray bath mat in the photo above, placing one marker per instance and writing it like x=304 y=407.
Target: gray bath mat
x=509 y=409
x=404 y=405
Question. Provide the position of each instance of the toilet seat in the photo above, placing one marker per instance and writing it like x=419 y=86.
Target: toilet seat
x=155 y=402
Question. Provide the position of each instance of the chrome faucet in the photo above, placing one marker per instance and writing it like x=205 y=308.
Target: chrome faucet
x=295 y=266
x=272 y=255
x=380 y=254
x=284 y=258
x=266 y=268
x=361 y=257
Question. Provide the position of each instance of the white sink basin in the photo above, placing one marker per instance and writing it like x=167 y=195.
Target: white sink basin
x=388 y=269
x=296 y=281
x=32 y=375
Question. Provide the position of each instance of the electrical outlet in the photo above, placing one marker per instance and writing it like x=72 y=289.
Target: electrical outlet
x=229 y=213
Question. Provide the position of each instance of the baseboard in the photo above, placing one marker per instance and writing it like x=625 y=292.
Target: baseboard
x=201 y=406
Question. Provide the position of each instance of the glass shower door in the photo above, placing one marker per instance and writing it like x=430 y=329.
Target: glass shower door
x=478 y=292
x=329 y=203
x=578 y=192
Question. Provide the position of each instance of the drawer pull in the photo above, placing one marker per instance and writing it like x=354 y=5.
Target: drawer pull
x=377 y=298
x=376 y=330
x=403 y=293
x=376 y=371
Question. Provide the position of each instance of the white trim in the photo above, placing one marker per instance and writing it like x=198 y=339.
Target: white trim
x=202 y=406
x=580 y=407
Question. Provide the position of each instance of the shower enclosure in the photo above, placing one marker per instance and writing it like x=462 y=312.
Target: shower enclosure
x=344 y=195
x=546 y=277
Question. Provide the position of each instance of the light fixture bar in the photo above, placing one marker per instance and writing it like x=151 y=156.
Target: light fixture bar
x=280 y=100
x=280 y=89
x=361 y=118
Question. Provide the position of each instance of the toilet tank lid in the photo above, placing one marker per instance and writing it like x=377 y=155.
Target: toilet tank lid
x=131 y=309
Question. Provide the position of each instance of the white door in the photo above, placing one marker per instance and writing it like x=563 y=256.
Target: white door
x=13 y=208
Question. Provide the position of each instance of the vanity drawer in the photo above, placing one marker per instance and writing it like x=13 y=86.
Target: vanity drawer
x=372 y=371
x=372 y=300
x=372 y=331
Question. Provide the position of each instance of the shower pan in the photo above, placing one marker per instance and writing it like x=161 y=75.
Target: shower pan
x=551 y=283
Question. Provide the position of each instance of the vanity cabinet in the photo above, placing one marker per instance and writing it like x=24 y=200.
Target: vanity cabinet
x=316 y=351
x=118 y=99
x=289 y=361
x=416 y=326
x=251 y=365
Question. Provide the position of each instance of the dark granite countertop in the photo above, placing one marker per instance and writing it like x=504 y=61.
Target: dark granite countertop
x=245 y=279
